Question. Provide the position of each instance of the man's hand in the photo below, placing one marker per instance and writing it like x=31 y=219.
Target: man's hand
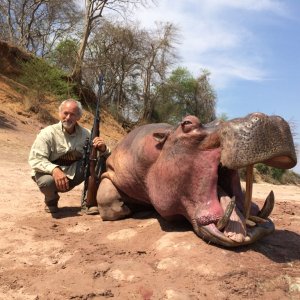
x=99 y=144
x=61 y=180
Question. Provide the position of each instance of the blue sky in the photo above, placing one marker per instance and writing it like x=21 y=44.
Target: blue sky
x=251 y=48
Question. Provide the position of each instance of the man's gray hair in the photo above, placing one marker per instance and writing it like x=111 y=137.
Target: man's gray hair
x=79 y=105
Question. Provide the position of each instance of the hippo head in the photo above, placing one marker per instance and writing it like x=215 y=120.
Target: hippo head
x=198 y=167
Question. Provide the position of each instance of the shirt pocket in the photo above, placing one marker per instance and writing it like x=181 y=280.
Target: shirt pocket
x=60 y=150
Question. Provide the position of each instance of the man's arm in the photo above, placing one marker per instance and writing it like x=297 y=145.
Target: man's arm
x=60 y=178
x=39 y=155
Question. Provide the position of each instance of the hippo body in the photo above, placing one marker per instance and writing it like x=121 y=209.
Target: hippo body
x=191 y=171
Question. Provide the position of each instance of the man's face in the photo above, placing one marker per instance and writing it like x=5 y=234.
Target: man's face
x=69 y=115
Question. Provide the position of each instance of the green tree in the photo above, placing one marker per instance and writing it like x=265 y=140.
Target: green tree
x=93 y=13
x=64 y=55
x=204 y=102
x=175 y=96
x=43 y=78
x=182 y=95
x=36 y=25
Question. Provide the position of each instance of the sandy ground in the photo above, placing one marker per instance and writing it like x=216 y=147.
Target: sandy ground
x=71 y=256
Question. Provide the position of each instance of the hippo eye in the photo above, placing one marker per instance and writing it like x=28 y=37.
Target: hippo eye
x=186 y=123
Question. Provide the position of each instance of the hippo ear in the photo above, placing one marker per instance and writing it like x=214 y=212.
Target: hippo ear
x=161 y=136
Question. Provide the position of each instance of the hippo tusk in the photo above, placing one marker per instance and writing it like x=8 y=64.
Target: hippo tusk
x=248 y=194
x=257 y=220
x=267 y=207
x=222 y=223
x=250 y=222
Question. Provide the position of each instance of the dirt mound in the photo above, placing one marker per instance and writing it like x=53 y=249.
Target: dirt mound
x=10 y=57
x=74 y=256
x=16 y=112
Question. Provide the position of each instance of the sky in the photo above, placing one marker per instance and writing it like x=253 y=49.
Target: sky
x=250 y=47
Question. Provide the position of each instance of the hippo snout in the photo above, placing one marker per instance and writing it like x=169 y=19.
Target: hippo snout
x=257 y=138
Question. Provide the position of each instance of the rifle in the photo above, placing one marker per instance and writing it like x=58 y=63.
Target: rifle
x=91 y=163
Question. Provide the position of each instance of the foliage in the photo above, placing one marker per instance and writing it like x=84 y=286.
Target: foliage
x=92 y=15
x=175 y=95
x=205 y=99
x=271 y=174
x=37 y=25
x=38 y=75
x=223 y=117
x=135 y=61
x=183 y=95
x=64 y=55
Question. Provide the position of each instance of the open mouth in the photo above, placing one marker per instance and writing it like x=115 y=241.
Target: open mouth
x=245 y=142
x=243 y=221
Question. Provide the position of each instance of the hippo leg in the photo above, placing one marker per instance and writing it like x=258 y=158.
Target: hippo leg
x=109 y=202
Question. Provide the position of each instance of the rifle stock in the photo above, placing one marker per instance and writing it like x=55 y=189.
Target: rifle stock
x=91 y=177
x=93 y=181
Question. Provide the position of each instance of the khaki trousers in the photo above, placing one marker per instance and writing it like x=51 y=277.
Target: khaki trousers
x=47 y=186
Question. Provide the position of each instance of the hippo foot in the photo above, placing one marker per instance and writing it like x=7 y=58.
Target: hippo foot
x=114 y=212
x=110 y=204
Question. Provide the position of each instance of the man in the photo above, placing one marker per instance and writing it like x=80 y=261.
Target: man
x=57 y=152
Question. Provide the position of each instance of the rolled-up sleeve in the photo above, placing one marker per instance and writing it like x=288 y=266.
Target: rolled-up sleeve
x=107 y=152
x=39 y=155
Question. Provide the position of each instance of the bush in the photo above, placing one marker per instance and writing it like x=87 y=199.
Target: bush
x=277 y=176
x=38 y=75
x=272 y=175
x=290 y=177
x=263 y=169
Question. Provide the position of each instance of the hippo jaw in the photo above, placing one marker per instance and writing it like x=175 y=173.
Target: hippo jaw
x=244 y=142
x=211 y=233
x=226 y=231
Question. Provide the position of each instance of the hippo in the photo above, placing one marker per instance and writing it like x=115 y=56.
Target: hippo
x=191 y=171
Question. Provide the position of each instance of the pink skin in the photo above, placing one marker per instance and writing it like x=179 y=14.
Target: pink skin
x=177 y=171
x=189 y=159
x=198 y=199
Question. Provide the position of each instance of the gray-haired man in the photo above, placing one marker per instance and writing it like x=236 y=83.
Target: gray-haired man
x=57 y=152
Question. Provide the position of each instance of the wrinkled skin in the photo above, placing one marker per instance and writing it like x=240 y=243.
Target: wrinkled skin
x=191 y=171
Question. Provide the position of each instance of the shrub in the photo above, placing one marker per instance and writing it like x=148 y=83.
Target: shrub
x=38 y=75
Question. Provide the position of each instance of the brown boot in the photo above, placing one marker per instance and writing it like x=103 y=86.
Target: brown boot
x=51 y=206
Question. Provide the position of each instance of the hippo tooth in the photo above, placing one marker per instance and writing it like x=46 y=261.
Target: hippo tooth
x=257 y=220
x=236 y=227
x=248 y=194
x=250 y=223
x=222 y=223
x=247 y=239
x=268 y=206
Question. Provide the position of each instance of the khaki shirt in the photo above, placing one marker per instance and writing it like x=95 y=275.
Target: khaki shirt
x=52 y=143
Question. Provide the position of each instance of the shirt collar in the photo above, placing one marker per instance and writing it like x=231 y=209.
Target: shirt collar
x=64 y=130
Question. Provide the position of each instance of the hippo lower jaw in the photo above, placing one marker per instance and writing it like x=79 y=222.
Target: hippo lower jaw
x=211 y=233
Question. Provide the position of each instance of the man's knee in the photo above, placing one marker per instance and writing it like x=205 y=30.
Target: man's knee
x=44 y=180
